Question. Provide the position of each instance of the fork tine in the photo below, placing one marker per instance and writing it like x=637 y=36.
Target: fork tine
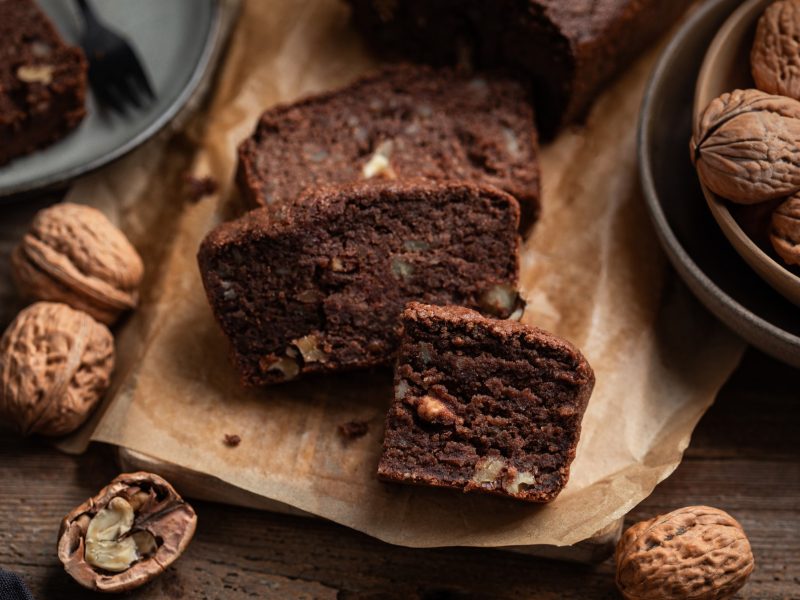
x=117 y=98
x=125 y=86
x=106 y=100
x=138 y=73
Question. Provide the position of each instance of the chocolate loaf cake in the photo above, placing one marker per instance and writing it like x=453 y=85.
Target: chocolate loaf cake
x=319 y=285
x=569 y=49
x=404 y=122
x=483 y=405
x=42 y=81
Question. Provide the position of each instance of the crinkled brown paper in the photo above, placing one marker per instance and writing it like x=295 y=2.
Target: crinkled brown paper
x=592 y=272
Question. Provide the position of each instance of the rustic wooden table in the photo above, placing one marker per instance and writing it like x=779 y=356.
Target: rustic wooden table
x=744 y=458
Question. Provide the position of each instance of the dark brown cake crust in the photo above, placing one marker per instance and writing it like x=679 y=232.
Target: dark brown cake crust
x=484 y=405
x=570 y=49
x=42 y=81
x=423 y=122
x=318 y=285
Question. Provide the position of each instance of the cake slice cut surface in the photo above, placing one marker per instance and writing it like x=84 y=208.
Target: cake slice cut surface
x=403 y=122
x=42 y=81
x=484 y=405
x=319 y=285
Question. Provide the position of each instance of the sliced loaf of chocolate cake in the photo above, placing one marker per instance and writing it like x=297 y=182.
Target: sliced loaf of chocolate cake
x=484 y=405
x=42 y=81
x=318 y=285
x=568 y=48
x=404 y=122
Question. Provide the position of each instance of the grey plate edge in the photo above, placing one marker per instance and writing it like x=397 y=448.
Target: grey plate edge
x=760 y=332
x=211 y=41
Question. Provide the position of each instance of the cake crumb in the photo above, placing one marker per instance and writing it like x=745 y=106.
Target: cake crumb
x=196 y=188
x=232 y=440
x=353 y=429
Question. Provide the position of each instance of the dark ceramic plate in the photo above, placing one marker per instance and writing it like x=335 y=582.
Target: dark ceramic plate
x=705 y=260
x=174 y=38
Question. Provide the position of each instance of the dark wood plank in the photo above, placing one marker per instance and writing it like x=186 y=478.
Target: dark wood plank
x=744 y=458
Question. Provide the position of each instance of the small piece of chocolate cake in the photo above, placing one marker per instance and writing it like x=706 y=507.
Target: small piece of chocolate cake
x=569 y=49
x=319 y=285
x=484 y=405
x=42 y=81
x=404 y=122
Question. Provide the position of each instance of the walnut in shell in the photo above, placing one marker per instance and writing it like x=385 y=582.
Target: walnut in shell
x=746 y=146
x=127 y=534
x=55 y=365
x=775 y=57
x=73 y=254
x=695 y=552
x=785 y=230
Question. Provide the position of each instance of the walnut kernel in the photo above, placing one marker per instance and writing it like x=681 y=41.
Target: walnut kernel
x=378 y=165
x=309 y=349
x=433 y=410
x=36 y=74
x=487 y=469
x=127 y=534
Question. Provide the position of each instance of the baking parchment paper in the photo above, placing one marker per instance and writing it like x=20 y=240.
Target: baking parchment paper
x=592 y=272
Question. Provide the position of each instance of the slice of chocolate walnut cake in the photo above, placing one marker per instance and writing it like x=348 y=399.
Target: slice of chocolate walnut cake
x=319 y=285
x=484 y=405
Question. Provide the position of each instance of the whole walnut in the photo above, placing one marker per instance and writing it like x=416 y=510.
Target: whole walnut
x=775 y=57
x=55 y=365
x=785 y=230
x=73 y=254
x=695 y=552
x=746 y=146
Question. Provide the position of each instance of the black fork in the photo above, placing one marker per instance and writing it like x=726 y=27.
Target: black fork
x=115 y=71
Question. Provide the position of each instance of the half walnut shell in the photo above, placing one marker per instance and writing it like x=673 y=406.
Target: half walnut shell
x=73 y=254
x=126 y=535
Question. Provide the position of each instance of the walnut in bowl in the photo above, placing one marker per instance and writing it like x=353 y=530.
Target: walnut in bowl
x=745 y=146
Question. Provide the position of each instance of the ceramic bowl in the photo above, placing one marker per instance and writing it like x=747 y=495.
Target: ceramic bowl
x=691 y=238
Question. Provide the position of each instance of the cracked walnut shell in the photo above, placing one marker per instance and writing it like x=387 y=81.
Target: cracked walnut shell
x=775 y=56
x=785 y=230
x=55 y=365
x=126 y=535
x=746 y=146
x=695 y=552
x=73 y=254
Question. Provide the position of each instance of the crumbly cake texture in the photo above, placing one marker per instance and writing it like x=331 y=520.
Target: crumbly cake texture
x=318 y=285
x=568 y=49
x=403 y=122
x=42 y=81
x=483 y=405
